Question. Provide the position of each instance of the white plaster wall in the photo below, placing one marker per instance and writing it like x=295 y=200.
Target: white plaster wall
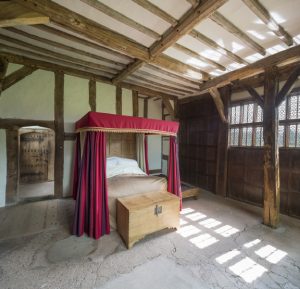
x=105 y=98
x=3 y=163
x=68 y=167
x=31 y=98
x=127 y=102
x=76 y=100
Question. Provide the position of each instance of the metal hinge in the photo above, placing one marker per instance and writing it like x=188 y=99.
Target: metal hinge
x=157 y=210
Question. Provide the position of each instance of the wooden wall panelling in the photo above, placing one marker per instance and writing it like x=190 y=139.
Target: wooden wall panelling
x=59 y=134
x=121 y=145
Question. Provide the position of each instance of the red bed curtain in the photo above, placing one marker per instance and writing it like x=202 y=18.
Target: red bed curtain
x=90 y=187
x=174 y=185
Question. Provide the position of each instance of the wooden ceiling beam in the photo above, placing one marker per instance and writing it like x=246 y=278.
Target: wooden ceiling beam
x=12 y=14
x=165 y=80
x=157 y=11
x=54 y=60
x=214 y=45
x=214 y=92
x=58 y=55
x=288 y=86
x=86 y=27
x=153 y=85
x=146 y=79
x=64 y=47
x=130 y=68
x=193 y=54
x=16 y=76
x=45 y=65
x=122 y=18
x=263 y=14
x=231 y=28
x=85 y=42
x=195 y=15
x=183 y=78
x=284 y=57
x=194 y=3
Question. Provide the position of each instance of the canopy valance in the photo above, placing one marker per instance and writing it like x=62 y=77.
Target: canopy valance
x=97 y=121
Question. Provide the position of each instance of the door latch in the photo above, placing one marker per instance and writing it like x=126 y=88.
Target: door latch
x=157 y=210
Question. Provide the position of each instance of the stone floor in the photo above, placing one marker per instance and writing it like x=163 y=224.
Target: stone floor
x=221 y=244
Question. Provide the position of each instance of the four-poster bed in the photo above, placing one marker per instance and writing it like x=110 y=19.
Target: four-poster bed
x=90 y=185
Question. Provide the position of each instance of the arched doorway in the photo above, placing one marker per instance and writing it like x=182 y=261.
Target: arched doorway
x=36 y=162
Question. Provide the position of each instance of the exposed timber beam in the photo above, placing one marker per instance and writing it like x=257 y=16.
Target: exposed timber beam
x=86 y=27
x=198 y=56
x=135 y=103
x=64 y=47
x=118 y=99
x=169 y=107
x=162 y=85
x=271 y=151
x=3 y=69
x=92 y=94
x=12 y=14
x=122 y=18
x=85 y=42
x=153 y=86
x=263 y=14
x=252 y=91
x=175 y=84
x=288 y=86
x=194 y=3
x=61 y=56
x=202 y=11
x=230 y=27
x=183 y=78
x=214 y=45
x=16 y=76
x=31 y=54
x=214 y=92
x=45 y=65
x=132 y=67
x=284 y=57
x=156 y=11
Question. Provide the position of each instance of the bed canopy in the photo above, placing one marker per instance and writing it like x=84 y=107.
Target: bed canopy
x=89 y=174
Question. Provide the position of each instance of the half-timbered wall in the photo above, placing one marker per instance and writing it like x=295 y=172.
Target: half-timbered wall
x=33 y=98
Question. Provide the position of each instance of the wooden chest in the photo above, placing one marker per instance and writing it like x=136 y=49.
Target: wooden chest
x=142 y=214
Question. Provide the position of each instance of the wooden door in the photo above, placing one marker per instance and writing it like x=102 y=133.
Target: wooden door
x=35 y=156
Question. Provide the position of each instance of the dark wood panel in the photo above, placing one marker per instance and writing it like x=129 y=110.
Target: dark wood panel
x=198 y=140
x=245 y=177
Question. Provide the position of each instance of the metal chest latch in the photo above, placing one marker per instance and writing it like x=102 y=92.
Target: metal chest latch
x=157 y=210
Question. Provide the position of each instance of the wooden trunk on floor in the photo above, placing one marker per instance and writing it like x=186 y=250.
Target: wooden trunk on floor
x=143 y=214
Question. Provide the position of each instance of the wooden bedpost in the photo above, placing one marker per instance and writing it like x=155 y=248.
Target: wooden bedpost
x=271 y=152
x=92 y=94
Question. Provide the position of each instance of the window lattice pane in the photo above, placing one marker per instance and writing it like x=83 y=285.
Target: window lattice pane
x=249 y=136
x=258 y=136
x=244 y=136
x=292 y=136
x=298 y=136
x=293 y=107
x=259 y=117
x=282 y=111
x=250 y=112
x=236 y=137
x=235 y=114
x=281 y=136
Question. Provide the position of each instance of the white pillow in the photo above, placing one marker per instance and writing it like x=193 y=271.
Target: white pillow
x=121 y=166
